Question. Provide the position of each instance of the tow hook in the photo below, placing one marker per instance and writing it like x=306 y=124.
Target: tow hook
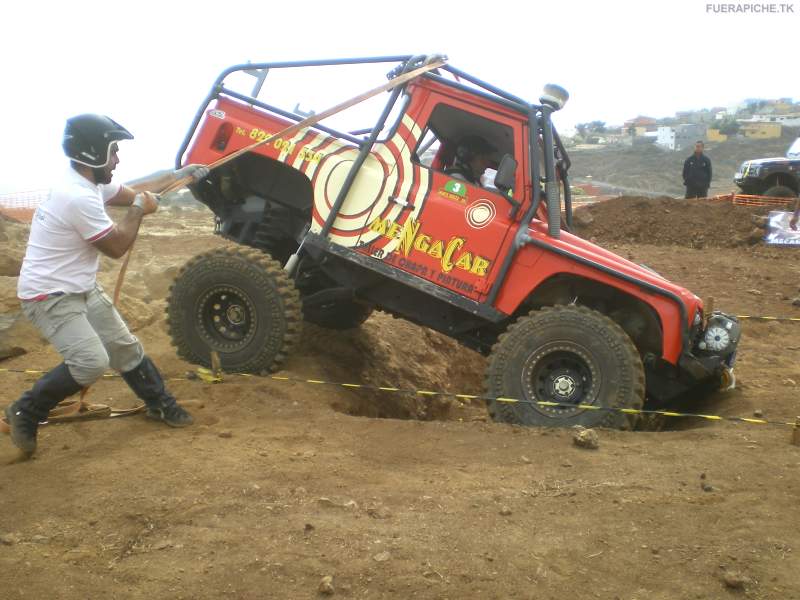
x=727 y=379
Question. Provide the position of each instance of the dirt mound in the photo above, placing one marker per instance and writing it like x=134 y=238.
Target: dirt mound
x=17 y=335
x=389 y=352
x=13 y=237
x=16 y=215
x=670 y=222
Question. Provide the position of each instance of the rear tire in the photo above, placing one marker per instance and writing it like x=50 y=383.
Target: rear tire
x=238 y=302
x=570 y=355
x=780 y=191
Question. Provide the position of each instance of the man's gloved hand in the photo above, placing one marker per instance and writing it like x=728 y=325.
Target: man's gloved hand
x=195 y=172
x=147 y=201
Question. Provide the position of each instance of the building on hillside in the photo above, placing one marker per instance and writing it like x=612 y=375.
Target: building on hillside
x=791 y=119
x=666 y=137
x=775 y=107
x=698 y=117
x=680 y=137
x=760 y=130
x=735 y=109
x=713 y=135
x=639 y=126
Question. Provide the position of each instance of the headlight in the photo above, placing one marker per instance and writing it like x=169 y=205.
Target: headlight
x=748 y=168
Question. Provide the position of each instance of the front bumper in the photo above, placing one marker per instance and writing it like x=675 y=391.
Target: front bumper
x=713 y=350
x=704 y=367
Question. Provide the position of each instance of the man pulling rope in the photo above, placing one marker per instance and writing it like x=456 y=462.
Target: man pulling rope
x=58 y=281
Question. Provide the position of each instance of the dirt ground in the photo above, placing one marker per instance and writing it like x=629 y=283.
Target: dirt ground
x=280 y=484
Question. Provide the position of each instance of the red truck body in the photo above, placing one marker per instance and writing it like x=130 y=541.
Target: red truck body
x=421 y=241
x=489 y=254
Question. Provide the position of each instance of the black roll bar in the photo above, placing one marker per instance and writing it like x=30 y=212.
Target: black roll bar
x=410 y=64
x=484 y=89
x=521 y=233
x=289 y=115
x=217 y=88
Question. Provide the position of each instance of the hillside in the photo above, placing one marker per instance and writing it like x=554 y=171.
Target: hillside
x=651 y=169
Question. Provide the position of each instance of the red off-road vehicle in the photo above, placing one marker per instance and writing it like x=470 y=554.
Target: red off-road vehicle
x=331 y=225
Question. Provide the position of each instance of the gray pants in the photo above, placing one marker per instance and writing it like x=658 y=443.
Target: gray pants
x=88 y=332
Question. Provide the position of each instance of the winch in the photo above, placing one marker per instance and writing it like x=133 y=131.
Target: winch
x=721 y=335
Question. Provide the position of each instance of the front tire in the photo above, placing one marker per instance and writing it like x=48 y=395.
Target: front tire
x=569 y=355
x=237 y=302
x=780 y=191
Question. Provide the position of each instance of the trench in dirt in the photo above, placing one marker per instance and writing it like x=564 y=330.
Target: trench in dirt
x=369 y=356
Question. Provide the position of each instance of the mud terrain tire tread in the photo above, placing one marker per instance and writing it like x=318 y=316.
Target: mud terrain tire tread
x=780 y=191
x=277 y=295
x=522 y=337
x=271 y=234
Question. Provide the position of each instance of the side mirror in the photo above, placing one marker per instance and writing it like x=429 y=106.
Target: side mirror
x=504 y=181
x=506 y=173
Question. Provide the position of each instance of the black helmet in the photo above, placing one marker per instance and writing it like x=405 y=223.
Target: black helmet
x=88 y=139
x=471 y=146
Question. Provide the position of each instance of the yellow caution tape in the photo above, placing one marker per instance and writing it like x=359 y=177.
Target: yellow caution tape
x=207 y=376
x=754 y=318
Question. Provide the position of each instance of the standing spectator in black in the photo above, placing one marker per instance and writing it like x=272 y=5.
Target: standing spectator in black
x=697 y=173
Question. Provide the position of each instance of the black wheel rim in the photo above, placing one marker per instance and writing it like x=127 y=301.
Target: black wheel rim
x=227 y=318
x=565 y=375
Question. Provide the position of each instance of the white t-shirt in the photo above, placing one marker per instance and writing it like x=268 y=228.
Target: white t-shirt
x=60 y=255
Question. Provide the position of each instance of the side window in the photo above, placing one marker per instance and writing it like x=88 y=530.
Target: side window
x=449 y=127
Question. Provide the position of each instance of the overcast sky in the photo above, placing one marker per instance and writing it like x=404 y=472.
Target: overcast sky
x=149 y=64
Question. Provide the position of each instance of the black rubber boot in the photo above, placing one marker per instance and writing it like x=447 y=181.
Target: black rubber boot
x=147 y=384
x=34 y=406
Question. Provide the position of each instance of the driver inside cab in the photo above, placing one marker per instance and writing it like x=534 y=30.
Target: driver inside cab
x=472 y=158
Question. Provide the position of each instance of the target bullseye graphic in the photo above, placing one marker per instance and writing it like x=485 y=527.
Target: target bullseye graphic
x=480 y=213
x=387 y=173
